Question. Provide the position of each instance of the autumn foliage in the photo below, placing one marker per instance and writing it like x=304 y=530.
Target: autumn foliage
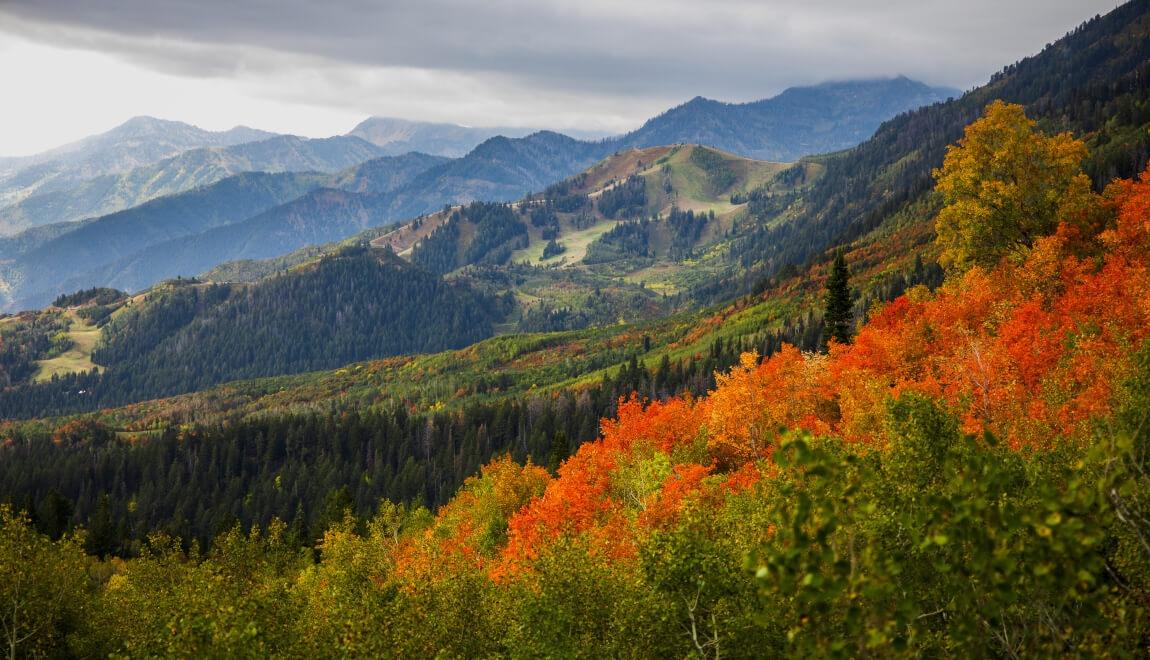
x=1032 y=350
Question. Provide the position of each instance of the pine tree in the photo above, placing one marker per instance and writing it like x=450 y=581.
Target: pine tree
x=560 y=451
x=838 y=321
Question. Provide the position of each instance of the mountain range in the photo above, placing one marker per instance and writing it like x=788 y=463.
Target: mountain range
x=785 y=220
x=801 y=121
x=364 y=194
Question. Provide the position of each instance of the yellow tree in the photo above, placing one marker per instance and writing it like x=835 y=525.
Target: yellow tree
x=754 y=403
x=1004 y=185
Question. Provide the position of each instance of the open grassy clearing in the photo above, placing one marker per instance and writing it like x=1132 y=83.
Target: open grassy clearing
x=576 y=242
x=76 y=359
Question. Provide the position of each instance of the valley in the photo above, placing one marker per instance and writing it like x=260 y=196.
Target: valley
x=858 y=369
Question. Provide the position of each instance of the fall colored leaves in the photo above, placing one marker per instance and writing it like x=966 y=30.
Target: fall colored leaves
x=1028 y=340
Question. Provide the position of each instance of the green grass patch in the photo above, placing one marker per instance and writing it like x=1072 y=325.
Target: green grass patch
x=76 y=359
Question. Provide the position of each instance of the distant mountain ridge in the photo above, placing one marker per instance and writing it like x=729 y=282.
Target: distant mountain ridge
x=397 y=136
x=801 y=121
x=137 y=142
x=196 y=167
x=499 y=170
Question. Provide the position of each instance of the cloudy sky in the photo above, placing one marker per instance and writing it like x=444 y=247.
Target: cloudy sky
x=69 y=68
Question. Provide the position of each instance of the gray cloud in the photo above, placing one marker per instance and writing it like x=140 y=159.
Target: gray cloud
x=622 y=56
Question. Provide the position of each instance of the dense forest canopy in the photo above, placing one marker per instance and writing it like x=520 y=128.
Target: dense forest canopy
x=187 y=335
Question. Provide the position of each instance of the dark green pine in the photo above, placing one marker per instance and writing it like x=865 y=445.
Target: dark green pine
x=838 y=319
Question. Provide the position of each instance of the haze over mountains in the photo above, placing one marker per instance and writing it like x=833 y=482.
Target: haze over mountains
x=137 y=142
x=398 y=136
x=364 y=188
x=114 y=192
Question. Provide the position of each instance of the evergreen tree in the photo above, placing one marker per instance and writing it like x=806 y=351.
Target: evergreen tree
x=838 y=319
x=560 y=451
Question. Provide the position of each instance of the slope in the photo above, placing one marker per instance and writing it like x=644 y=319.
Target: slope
x=358 y=303
x=876 y=196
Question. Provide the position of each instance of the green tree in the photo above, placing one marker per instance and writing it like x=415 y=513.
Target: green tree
x=43 y=587
x=1126 y=442
x=234 y=602
x=1004 y=185
x=560 y=450
x=944 y=545
x=838 y=318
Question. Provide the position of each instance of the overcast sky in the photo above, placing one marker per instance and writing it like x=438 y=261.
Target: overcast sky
x=69 y=68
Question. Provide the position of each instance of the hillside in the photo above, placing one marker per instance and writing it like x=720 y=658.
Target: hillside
x=320 y=216
x=886 y=180
x=384 y=175
x=645 y=223
x=34 y=276
x=109 y=193
x=685 y=213
x=694 y=201
x=184 y=335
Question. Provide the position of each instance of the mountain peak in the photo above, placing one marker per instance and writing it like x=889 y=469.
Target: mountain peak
x=148 y=124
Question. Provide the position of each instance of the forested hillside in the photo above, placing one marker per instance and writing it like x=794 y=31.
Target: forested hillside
x=187 y=335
